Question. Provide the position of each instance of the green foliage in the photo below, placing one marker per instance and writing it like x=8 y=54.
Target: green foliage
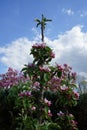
x=53 y=126
x=42 y=54
x=7 y=112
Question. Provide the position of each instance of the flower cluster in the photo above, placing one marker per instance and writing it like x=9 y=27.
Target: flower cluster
x=62 y=78
x=44 y=69
x=71 y=124
x=68 y=96
x=69 y=93
x=67 y=72
x=48 y=103
x=12 y=78
x=39 y=46
x=25 y=94
x=42 y=54
x=59 y=80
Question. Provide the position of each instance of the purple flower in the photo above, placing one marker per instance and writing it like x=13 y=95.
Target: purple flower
x=76 y=95
x=64 y=88
x=60 y=113
x=38 y=45
x=25 y=94
x=44 y=69
x=52 y=55
x=36 y=84
x=22 y=94
x=12 y=78
x=74 y=75
x=65 y=65
x=60 y=68
x=31 y=65
x=47 y=102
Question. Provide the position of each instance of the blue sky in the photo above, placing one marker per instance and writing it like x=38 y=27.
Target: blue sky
x=66 y=34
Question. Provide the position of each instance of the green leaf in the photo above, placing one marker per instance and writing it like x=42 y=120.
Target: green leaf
x=59 y=74
x=46 y=77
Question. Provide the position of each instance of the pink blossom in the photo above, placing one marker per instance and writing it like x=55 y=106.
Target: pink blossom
x=38 y=45
x=70 y=115
x=76 y=95
x=60 y=68
x=65 y=65
x=31 y=65
x=25 y=93
x=22 y=94
x=12 y=78
x=47 y=102
x=44 y=69
x=52 y=55
x=73 y=122
x=33 y=108
x=74 y=75
x=41 y=68
x=64 y=88
x=60 y=113
x=36 y=84
x=49 y=113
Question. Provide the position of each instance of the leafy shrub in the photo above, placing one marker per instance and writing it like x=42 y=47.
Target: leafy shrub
x=10 y=86
x=7 y=112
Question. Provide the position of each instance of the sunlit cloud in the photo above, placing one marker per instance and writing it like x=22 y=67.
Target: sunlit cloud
x=16 y=53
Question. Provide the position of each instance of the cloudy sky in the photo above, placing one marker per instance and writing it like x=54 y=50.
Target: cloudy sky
x=66 y=34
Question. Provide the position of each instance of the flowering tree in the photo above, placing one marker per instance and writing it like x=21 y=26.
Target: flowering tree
x=59 y=80
x=36 y=111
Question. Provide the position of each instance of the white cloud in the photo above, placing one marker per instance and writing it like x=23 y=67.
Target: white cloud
x=16 y=54
x=70 y=48
x=83 y=74
x=74 y=52
x=68 y=11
